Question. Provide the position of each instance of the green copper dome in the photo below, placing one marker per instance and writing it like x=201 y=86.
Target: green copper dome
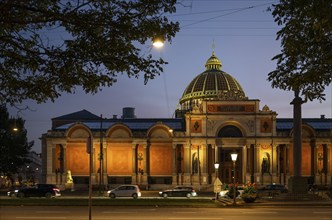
x=212 y=84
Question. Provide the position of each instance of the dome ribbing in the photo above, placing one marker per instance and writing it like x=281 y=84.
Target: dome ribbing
x=212 y=84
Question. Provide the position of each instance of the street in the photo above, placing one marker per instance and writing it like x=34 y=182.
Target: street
x=167 y=213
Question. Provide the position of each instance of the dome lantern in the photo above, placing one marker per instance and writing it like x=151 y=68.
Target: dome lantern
x=213 y=63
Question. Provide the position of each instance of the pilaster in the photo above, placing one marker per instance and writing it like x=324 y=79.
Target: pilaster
x=134 y=174
x=174 y=175
x=187 y=162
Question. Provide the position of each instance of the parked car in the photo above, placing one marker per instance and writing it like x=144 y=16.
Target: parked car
x=125 y=191
x=38 y=190
x=178 y=191
x=225 y=193
x=273 y=189
x=11 y=191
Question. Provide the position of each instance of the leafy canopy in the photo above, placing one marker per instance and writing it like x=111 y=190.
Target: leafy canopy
x=305 y=62
x=14 y=147
x=53 y=46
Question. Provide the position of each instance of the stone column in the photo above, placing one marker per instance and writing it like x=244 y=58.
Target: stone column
x=297 y=183
x=199 y=180
x=174 y=174
x=286 y=163
x=105 y=180
x=187 y=164
x=278 y=164
x=313 y=158
x=204 y=165
x=213 y=156
x=63 y=164
x=146 y=164
x=94 y=159
x=318 y=166
x=244 y=164
x=50 y=175
x=325 y=159
x=257 y=163
x=134 y=165
x=216 y=154
x=252 y=163
x=274 y=161
x=297 y=134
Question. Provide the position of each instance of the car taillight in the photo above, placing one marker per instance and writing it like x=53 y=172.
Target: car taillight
x=55 y=189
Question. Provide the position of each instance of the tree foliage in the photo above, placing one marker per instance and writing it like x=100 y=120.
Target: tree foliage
x=14 y=146
x=305 y=62
x=52 y=46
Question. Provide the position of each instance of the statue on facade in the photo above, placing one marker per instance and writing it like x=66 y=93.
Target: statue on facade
x=69 y=181
x=69 y=177
x=195 y=164
x=266 y=164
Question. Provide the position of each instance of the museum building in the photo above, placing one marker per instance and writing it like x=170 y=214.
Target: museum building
x=214 y=119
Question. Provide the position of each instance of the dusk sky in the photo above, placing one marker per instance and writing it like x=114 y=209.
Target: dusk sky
x=244 y=37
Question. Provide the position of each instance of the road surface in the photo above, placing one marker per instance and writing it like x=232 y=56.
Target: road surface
x=165 y=213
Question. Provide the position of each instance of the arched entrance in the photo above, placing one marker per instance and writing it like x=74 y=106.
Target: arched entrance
x=226 y=169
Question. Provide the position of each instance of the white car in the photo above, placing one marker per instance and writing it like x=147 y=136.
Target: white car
x=125 y=191
x=225 y=193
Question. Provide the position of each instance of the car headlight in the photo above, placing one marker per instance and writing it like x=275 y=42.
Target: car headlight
x=223 y=193
x=16 y=190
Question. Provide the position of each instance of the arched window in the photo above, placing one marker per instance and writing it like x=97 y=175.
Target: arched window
x=230 y=131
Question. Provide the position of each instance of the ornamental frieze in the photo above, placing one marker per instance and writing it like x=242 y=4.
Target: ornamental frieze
x=230 y=108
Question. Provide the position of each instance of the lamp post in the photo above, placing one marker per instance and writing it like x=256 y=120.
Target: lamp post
x=216 y=167
x=234 y=157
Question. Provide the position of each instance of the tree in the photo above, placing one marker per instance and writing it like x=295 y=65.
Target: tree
x=52 y=46
x=304 y=65
x=14 y=147
x=305 y=62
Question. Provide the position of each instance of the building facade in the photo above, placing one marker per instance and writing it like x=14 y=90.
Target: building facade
x=215 y=118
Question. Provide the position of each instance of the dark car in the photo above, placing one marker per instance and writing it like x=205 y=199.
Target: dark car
x=39 y=190
x=11 y=191
x=273 y=189
x=178 y=191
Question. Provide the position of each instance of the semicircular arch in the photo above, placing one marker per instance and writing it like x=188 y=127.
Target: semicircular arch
x=119 y=130
x=159 y=131
x=231 y=130
x=78 y=130
x=307 y=131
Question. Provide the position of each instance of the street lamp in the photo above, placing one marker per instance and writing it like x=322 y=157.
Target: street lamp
x=15 y=127
x=234 y=157
x=216 y=167
x=158 y=42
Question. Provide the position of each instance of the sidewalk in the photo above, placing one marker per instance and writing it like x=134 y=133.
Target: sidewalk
x=278 y=202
